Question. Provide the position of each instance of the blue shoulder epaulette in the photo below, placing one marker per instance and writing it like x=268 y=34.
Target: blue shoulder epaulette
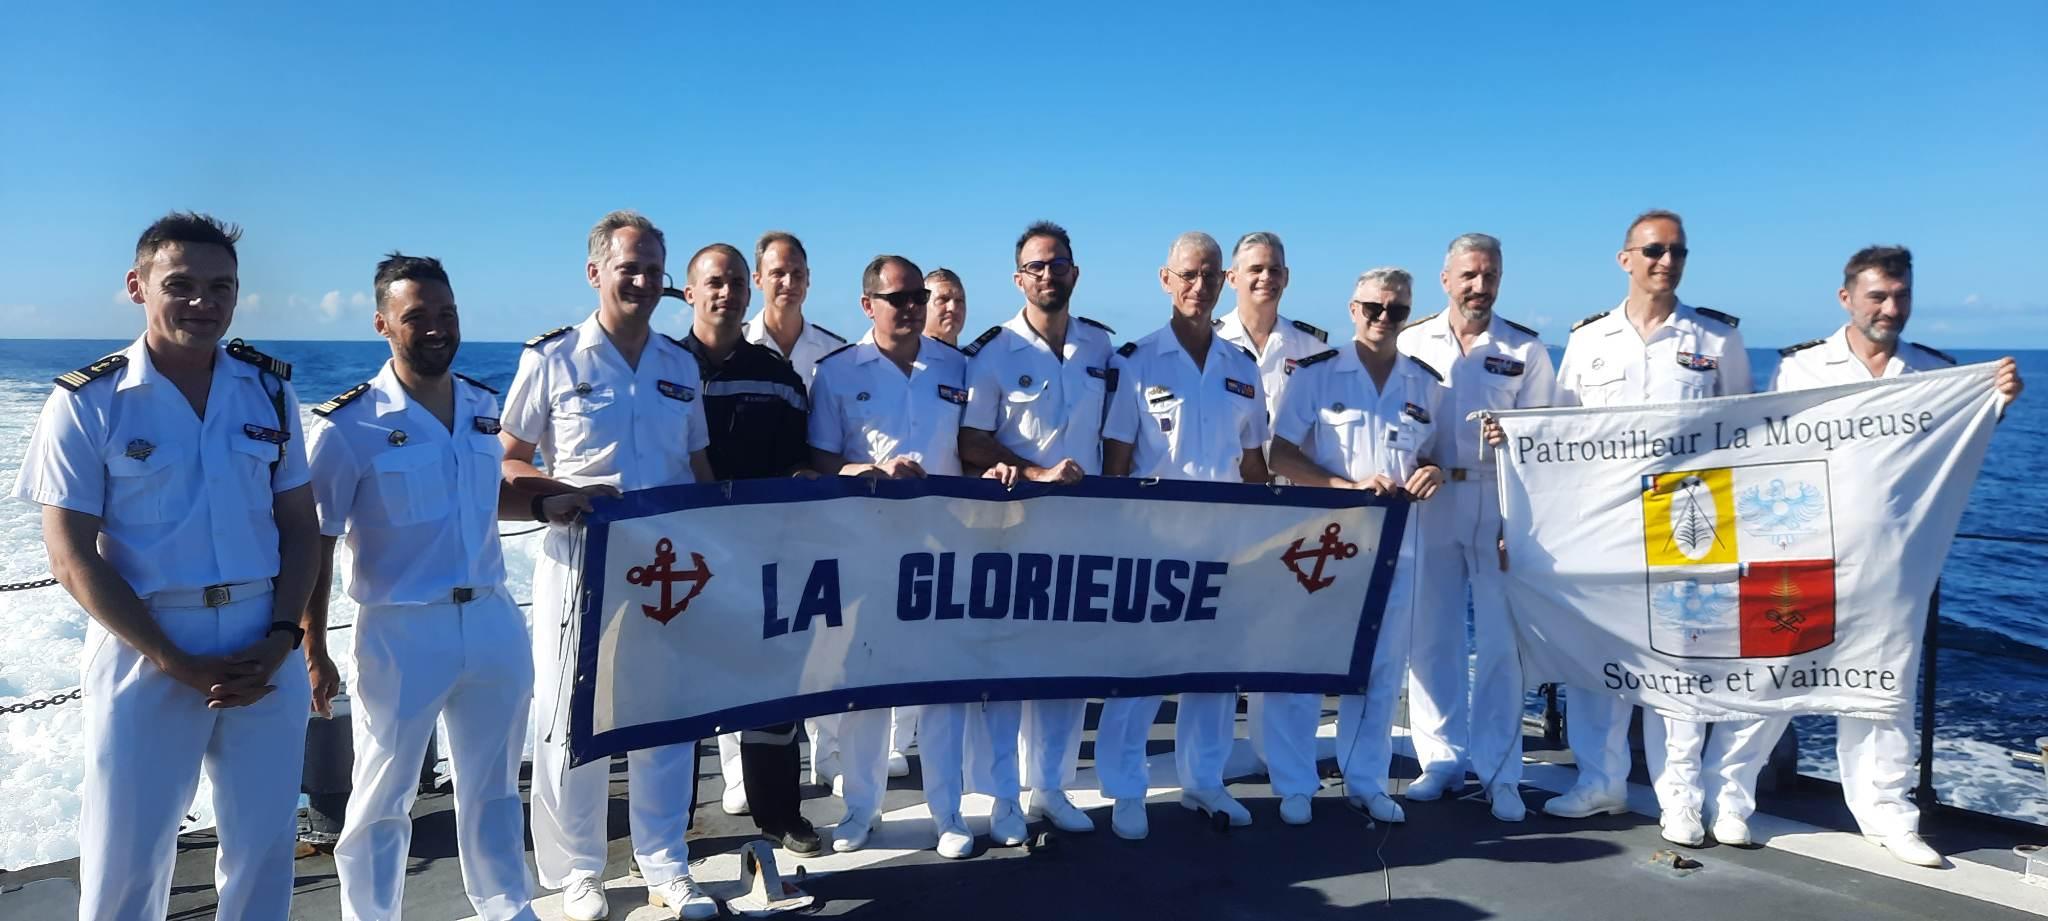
x=1575 y=326
x=473 y=382
x=1317 y=358
x=1712 y=314
x=828 y=332
x=348 y=396
x=1247 y=353
x=72 y=380
x=944 y=343
x=984 y=339
x=1514 y=325
x=1414 y=323
x=1310 y=329
x=535 y=342
x=1128 y=349
x=821 y=358
x=1810 y=343
x=1101 y=326
x=1425 y=366
x=1944 y=356
x=248 y=353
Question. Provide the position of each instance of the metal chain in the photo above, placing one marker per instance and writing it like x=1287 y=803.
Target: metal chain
x=24 y=586
x=57 y=699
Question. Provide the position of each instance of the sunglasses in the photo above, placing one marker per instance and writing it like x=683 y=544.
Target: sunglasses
x=905 y=299
x=1656 y=251
x=1373 y=310
x=1039 y=267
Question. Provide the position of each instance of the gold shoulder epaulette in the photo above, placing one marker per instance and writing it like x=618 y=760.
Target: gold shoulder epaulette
x=1712 y=314
x=1311 y=329
x=1575 y=326
x=983 y=339
x=1514 y=325
x=1101 y=326
x=480 y=385
x=1944 y=356
x=72 y=380
x=1411 y=324
x=536 y=341
x=1787 y=351
x=346 y=397
x=248 y=353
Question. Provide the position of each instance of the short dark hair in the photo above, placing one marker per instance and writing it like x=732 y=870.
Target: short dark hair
x=186 y=227
x=398 y=267
x=946 y=275
x=1893 y=261
x=1654 y=214
x=871 y=279
x=779 y=236
x=1045 y=229
x=730 y=252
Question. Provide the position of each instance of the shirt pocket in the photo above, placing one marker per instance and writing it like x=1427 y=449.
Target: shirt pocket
x=150 y=489
x=483 y=472
x=1602 y=387
x=1025 y=411
x=410 y=487
x=1346 y=430
x=582 y=419
x=1165 y=421
x=250 y=461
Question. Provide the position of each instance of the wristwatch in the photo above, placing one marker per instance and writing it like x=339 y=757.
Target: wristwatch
x=298 y=632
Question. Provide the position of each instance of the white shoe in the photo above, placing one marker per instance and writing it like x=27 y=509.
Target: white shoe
x=839 y=785
x=955 y=840
x=1212 y=802
x=682 y=895
x=1580 y=802
x=1380 y=806
x=852 y=833
x=825 y=771
x=1006 y=825
x=1294 y=810
x=1054 y=807
x=1432 y=784
x=583 y=900
x=1127 y=819
x=1682 y=827
x=899 y=766
x=735 y=800
x=1507 y=802
x=1732 y=831
x=1909 y=847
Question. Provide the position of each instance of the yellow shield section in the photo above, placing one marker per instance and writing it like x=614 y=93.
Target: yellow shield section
x=1689 y=518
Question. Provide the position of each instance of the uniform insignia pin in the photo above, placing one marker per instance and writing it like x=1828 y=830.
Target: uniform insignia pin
x=1597 y=362
x=1024 y=381
x=583 y=390
x=861 y=397
x=397 y=437
x=140 y=450
x=1336 y=407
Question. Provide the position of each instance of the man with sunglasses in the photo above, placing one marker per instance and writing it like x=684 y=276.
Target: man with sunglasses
x=782 y=270
x=1186 y=407
x=1037 y=386
x=1489 y=363
x=1655 y=349
x=890 y=407
x=1368 y=417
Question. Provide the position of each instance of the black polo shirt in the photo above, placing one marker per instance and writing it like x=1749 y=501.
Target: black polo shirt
x=757 y=409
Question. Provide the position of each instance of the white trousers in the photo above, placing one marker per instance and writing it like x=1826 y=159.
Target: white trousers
x=1693 y=763
x=470 y=665
x=569 y=804
x=967 y=747
x=903 y=723
x=1596 y=726
x=729 y=761
x=1283 y=728
x=1049 y=745
x=1877 y=759
x=862 y=737
x=147 y=737
x=1120 y=737
x=1461 y=525
x=1204 y=729
x=1365 y=724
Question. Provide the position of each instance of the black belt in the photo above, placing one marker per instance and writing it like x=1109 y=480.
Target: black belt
x=1461 y=474
x=465 y=595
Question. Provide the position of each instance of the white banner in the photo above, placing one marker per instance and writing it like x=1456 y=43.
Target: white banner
x=1735 y=557
x=718 y=607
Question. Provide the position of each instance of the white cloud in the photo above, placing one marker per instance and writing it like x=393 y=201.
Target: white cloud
x=330 y=304
x=121 y=297
x=1971 y=299
x=359 y=299
x=251 y=301
x=1541 y=321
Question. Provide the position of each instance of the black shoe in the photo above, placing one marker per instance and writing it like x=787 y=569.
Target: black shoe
x=801 y=839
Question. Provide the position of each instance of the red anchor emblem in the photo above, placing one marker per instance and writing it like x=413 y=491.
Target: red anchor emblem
x=664 y=572
x=1331 y=546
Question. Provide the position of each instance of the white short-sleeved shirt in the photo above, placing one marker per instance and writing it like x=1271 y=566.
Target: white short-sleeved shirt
x=865 y=409
x=1506 y=368
x=418 y=502
x=1821 y=362
x=1289 y=343
x=1042 y=407
x=1182 y=422
x=812 y=345
x=597 y=420
x=1351 y=427
x=185 y=502
x=1696 y=353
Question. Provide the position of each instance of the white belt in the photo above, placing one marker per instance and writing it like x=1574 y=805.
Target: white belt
x=212 y=596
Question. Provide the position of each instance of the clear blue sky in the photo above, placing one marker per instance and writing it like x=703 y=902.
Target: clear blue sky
x=1365 y=134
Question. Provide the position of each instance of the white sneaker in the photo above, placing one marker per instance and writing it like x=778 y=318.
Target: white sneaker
x=583 y=900
x=1909 y=847
x=1294 y=810
x=1432 y=784
x=1580 y=802
x=1006 y=825
x=735 y=800
x=899 y=766
x=1215 y=801
x=1127 y=819
x=1732 y=831
x=955 y=840
x=852 y=833
x=682 y=896
x=1506 y=800
x=1054 y=807
x=1682 y=827
x=1380 y=806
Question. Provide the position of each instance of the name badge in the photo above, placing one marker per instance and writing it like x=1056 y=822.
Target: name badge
x=1416 y=413
x=1165 y=423
x=1239 y=387
x=675 y=391
x=1506 y=367
x=1289 y=369
x=953 y=394
x=1698 y=362
x=272 y=436
x=1157 y=395
x=486 y=424
x=1099 y=373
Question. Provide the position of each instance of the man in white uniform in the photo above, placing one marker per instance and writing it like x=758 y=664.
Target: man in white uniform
x=611 y=406
x=407 y=466
x=1186 y=407
x=1489 y=363
x=172 y=476
x=782 y=270
x=1283 y=726
x=1875 y=756
x=948 y=313
x=1037 y=387
x=891 y=408
x=1654 y=349
x=1368 y=417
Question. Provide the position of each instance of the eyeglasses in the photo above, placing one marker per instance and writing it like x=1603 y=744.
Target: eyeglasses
x=1373 y=310
x=1211 y=277
x=1656 y=251
x=1039 y=267
x=905 y=299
